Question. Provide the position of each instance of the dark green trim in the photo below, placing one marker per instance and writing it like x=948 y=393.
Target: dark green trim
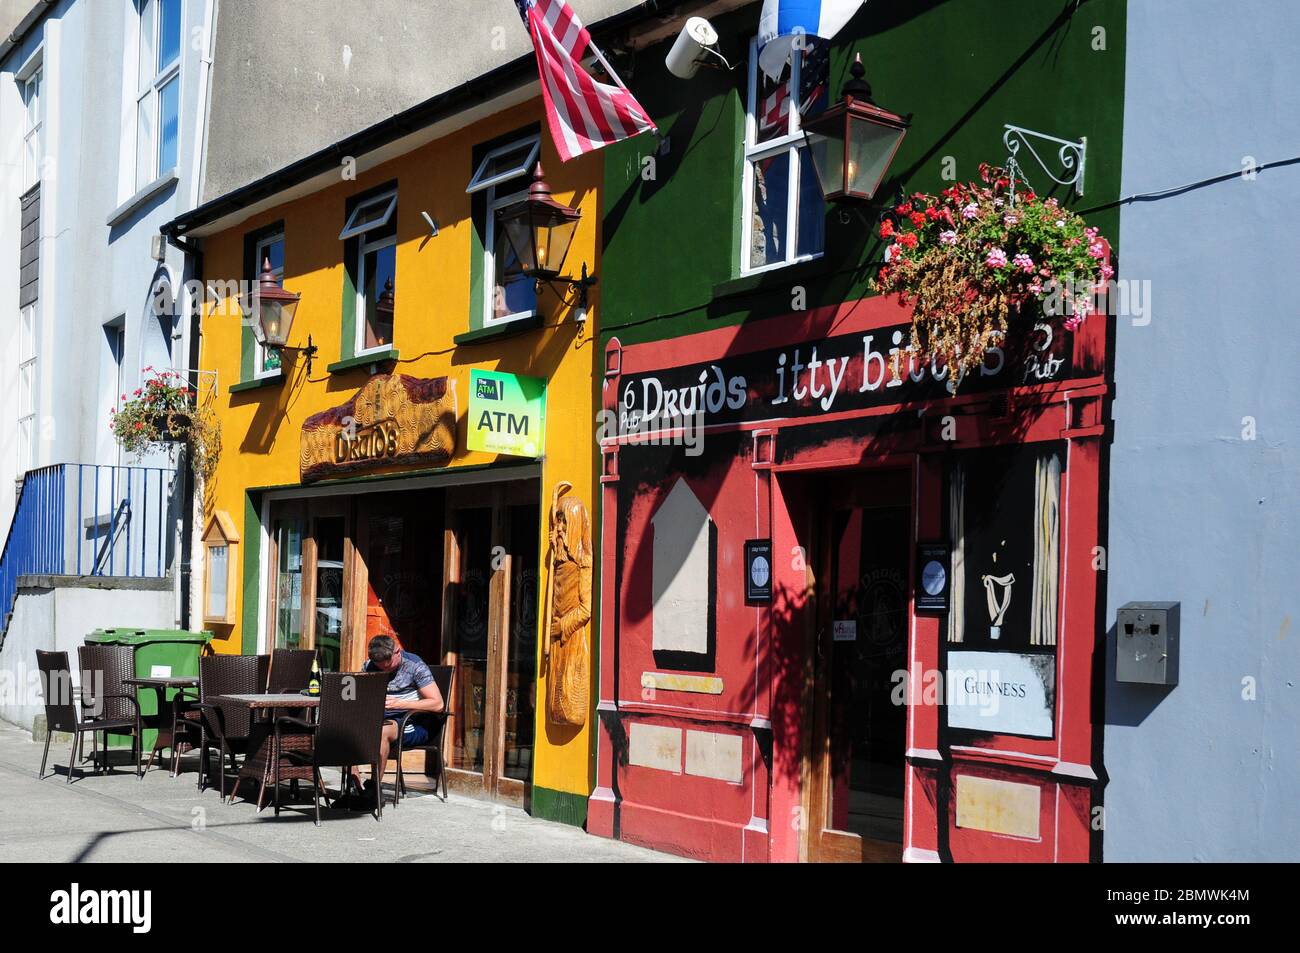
x=250 y=540
x=364 y=360
x=248 y=349
x=271 y=380
x=560 y=806
x=783 y=278
x=498 y=331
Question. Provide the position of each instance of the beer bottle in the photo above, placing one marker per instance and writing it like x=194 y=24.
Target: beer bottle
x=313 y=686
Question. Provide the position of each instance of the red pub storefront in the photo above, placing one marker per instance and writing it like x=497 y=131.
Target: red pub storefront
x=845 y=613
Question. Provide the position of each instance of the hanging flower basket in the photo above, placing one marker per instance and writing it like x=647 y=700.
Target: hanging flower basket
x=164 y=411
x=976 y=259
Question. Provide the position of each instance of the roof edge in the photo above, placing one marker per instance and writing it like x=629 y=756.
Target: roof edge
x=445 y=104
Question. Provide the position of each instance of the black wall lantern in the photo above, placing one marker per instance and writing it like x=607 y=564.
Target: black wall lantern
x=274 y=310
x=853 y=142
x=540 y=230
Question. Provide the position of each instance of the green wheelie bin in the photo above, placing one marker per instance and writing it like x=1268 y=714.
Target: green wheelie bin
x=170 y=653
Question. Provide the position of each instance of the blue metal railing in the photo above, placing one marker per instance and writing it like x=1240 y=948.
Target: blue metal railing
x=86 y=519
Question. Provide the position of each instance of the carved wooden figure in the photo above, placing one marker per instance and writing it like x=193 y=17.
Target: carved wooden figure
x=568 y=612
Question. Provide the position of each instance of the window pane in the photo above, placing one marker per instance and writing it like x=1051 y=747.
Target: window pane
x=32 y=159
x=769 y=203
x=169 y=33
x=169 y=121
x=148 y=62
x=772 y=112
x=814 y=79
x=32 y=99
x=274 y=251
x=379 y=268
x=288 y=585
x=218 y=572
x=512 y=291
x=812 y=208
x=329 y=590
x=144 y=141
x=26 y=388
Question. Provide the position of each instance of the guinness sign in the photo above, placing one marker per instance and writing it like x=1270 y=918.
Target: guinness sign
x=392 y=420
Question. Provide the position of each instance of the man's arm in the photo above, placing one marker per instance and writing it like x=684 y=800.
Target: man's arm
x=430 y=700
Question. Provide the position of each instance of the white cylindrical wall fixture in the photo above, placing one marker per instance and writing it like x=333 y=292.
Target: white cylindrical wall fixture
x=684 y=58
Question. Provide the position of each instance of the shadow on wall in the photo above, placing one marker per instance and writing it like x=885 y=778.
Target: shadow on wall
x=1128 y=704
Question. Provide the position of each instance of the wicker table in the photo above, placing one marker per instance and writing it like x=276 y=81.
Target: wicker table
x=160 y=685
x=259 y=764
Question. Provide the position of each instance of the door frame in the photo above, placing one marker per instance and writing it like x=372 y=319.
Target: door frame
x=498 y=497
x=308 y=511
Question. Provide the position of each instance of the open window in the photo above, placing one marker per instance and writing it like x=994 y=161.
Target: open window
x=500 y=179
x=371 y=236
x=220 y=546
x=372 y=215
x=783 y=212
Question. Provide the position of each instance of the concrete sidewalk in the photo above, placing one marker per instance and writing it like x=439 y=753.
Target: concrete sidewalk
x=161 y=820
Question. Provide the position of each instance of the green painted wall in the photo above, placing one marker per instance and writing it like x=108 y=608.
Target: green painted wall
x=963 y=68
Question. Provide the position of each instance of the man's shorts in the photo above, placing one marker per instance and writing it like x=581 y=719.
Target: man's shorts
x=414 y=733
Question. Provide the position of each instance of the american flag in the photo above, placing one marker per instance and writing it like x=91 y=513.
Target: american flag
x=583 y=114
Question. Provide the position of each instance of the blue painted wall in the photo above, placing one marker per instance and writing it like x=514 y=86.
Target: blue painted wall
x=1198 y=513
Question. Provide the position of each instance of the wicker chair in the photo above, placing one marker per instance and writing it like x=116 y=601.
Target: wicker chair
x=437 y=735
x=348 y=730
x=104 y=697
x=226 y=725
x=61 y=710
x=290 y=670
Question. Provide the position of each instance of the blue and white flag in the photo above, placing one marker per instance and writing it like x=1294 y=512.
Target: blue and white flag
x=785 y=22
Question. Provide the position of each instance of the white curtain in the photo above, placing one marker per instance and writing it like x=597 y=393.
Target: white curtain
x=1047 y=535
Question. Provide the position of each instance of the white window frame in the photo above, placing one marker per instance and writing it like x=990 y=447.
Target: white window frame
x=31 y=81
x=488 y=185
x=351 y=229
x=260 y=370
x=793 y=143
x=28 y=387
x=364 y=247
x=481 y=180
x=152 y=91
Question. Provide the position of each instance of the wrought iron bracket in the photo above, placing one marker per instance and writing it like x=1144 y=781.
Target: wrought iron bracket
x=1070 y=155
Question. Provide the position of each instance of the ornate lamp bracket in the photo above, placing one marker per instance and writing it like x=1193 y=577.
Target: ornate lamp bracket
x=1070 y=155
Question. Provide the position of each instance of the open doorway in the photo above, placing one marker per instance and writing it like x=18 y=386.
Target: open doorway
x=860 y=530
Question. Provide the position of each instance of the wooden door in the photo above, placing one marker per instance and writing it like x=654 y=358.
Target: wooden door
x=859 y=644
x=489 y=636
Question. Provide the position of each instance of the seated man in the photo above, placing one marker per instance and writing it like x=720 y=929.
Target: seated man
x=410 y=688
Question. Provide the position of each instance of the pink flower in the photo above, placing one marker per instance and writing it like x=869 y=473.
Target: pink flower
x=970 y=211
x=1097 y=250
x=997 y=258
x=948 y=238
x=1036 y=287
x=1107 y=272
x=1073 y=321
x=1010 y=219
x=1024 y=263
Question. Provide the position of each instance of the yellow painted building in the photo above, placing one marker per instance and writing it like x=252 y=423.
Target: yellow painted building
x=377 y=520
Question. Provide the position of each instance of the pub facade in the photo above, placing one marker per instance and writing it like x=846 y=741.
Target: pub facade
x=847 y=611
x=396 y=409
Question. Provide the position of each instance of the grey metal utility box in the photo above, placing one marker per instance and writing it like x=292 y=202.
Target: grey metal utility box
x=1146 y=643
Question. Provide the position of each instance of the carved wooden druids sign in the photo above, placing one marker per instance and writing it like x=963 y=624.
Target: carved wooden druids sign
x=393 y=420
